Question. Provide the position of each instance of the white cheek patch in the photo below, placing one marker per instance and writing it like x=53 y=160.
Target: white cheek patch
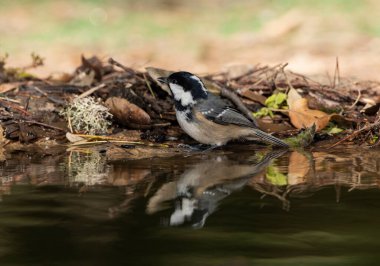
x=200 y=82
x=181 y=95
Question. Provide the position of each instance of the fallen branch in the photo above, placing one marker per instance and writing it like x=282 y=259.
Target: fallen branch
x=44 y=125
x=91 y=91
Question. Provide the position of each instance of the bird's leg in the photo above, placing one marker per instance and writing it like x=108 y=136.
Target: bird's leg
x=188 y=147
x=209 y=147
x=198 y=147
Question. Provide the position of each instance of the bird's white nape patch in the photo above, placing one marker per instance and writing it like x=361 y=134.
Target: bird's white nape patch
x=200 y=82
x=181 y=95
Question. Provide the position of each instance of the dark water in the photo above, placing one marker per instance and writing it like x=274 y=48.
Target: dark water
x=230 y=207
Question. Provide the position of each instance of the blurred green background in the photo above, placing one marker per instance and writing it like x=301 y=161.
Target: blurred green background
x=199 y=36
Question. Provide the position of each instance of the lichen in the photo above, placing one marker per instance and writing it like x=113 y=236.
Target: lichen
x=88 y=116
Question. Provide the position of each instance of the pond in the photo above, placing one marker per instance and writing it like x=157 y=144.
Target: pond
x=237 y=206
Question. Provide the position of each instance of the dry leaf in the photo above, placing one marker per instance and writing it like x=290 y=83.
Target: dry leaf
x=73 y=138
x=2 y=135
x=3 y=158
x=126 y=112
x=5 y=87
x=301 y=116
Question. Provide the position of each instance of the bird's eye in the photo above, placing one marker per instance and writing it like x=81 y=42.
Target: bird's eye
x=173 y=81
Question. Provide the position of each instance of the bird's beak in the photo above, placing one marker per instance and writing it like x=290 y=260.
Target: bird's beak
x=163 y=80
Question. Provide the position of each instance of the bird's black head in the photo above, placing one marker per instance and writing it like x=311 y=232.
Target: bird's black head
x=185 y=87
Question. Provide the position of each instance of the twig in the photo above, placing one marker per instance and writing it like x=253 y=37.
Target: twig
x=126 y=69
x=47 y=96
x=147 y=190
x=13 y=104
x=355 y=133
x=85 y=143
x=149 y=87
x=336 y=73
x=27 y=104
x=69 y=123
x=255 y=69
x=262 y=79
x=44 y=125
x=286 y=78
x=237 y=101
x=9 y=100
x=304 y=77
x=357 y=99
x=151 y=91
x=91 y=91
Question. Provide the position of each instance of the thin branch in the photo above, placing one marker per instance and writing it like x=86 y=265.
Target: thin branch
x=355 y=133
x=357 y=99
x=91 y=91
x=336 y=73
x=47 y=96
x=237 y=101
x=126 y=69
x=149 y=87
x=44 y=125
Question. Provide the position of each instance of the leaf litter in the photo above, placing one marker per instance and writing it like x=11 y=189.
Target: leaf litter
x=130 y=106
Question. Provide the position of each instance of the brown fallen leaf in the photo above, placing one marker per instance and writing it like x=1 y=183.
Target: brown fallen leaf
x=2 y=135
x=5 y=87
x=126 y=112
x=301 y=116
x=73 y=138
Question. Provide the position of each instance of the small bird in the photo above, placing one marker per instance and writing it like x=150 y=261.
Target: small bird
x=206 y=117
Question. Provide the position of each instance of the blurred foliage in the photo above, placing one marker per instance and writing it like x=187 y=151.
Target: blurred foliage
x=205 y=34
x=115 y=22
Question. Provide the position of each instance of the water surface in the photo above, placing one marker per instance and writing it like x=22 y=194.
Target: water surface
x=226 y=207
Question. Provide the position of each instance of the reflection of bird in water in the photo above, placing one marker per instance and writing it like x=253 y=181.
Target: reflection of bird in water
x=199 y=189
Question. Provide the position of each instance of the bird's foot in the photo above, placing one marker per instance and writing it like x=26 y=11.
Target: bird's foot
x=197 y=147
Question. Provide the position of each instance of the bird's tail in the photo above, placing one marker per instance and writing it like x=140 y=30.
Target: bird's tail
x=265 y=137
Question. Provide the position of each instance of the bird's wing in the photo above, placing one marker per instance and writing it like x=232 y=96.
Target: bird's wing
x=231 y=116
x=217 y=110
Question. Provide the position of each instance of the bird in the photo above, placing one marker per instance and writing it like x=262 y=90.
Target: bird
x=206 y=117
